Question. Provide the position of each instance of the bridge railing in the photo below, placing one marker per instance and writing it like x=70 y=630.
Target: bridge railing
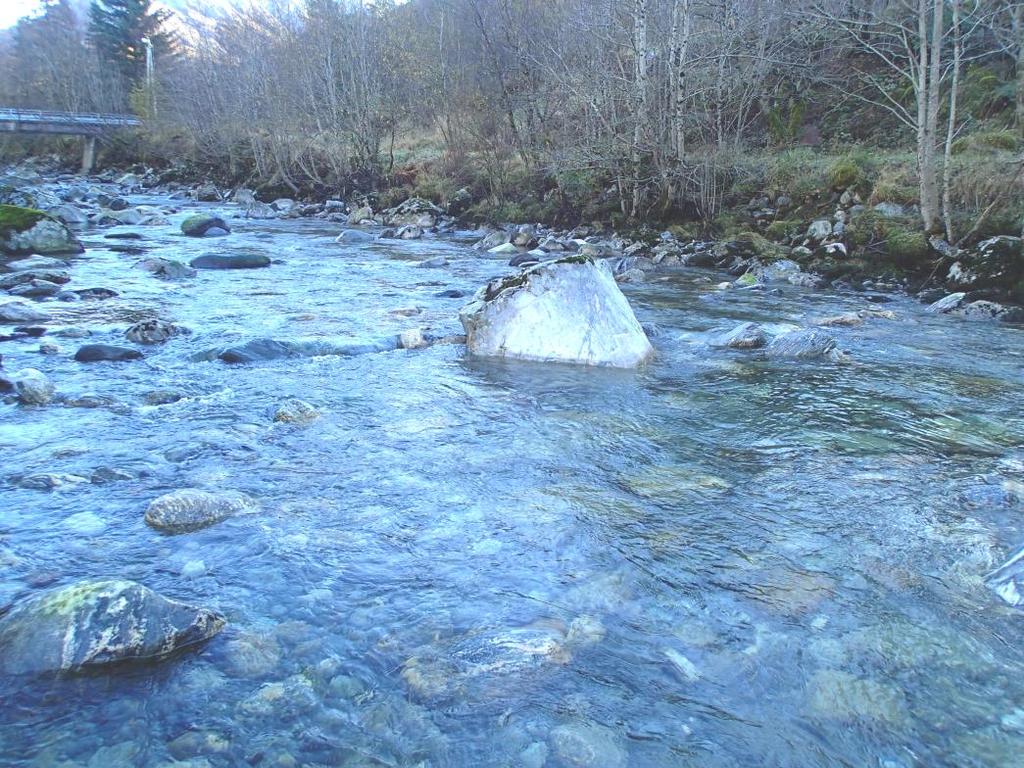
x=87 y=119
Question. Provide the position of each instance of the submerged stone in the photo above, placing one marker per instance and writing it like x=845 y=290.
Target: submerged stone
x=153 y=332
x=745 y=336
x=295 y=411
x=200 y=226
x=190 y=510
x=94 y=353
x=231 y=261
x=97 y=623
x=841 y=696
x=568 y=311
x=18 y=311
x=587 y=745
x=804 y=345
x=32 y=387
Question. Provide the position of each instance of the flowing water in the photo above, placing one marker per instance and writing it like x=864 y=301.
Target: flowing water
x=714 y=561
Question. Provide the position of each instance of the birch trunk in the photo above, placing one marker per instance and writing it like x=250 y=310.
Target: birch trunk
x=639 y=98
x=947 y=156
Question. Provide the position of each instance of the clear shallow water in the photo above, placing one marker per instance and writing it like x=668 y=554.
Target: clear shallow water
x=714 y=561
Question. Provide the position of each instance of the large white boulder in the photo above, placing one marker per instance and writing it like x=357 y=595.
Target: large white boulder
x=568 y=310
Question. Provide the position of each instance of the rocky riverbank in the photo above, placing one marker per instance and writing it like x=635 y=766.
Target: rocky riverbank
x=985 y=281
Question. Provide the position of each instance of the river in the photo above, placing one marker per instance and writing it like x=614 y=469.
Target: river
x=717 y=560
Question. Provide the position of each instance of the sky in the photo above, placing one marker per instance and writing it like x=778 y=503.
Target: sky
x=12 y=10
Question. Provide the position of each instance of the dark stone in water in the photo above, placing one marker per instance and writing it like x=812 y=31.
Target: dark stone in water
x=523 y=259
x=201 y=226
x=93 y=624
x=231 y=261
x=166 y=268
x=134 y=250
x=260 y=350
x=451 y=293
x=95 y=294
x=32 y=331
x=93 y=353
x=745 y=336
x=803 y=345
x=123 y=236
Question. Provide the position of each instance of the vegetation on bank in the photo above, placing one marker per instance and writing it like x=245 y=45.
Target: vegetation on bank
x=641 y=116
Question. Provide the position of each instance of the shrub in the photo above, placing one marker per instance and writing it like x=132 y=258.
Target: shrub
x=844 y=173
x=999 y=140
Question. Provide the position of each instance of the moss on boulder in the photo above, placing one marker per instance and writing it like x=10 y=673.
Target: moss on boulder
x=27 y=230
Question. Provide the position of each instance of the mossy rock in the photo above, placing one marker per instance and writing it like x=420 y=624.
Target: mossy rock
x=95 y=624
x=784 y=229
x=27 y=230
x=761 y=246
x=902 y=238
x=14 y=219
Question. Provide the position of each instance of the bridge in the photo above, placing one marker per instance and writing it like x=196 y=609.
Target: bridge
x=88 y=125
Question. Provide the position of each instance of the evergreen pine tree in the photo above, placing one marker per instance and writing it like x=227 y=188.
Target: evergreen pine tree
x=117 y=29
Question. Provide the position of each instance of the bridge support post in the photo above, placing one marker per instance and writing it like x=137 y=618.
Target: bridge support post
x=88 y=153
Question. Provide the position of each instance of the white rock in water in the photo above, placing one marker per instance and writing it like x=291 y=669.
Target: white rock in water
x=567 y=310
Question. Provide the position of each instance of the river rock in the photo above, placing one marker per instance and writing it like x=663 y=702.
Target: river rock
x=803 y=345
x=35 y=289
x=527 y=259
x=15 y=279
x=503 y=249
x=359 y=215
x=409 y=232
x=231 y=261
x=354 y=236
x=1007 y=581
x=203 y=226
x=745 y=336
x=587 y=745
x=166 y=268
x=37 y=262
x=493 y=240
x=819 y=230
x=295 y=411
x=21 y=312
x=433 y=263
x=946 y=304
x=95 y=353
x=92 y=624
x=415 y=211
x=568 y=310
x=32 y=387
x=190 y=510
x=89 y=294
x=258 y=210
x=983 y=310
x=153 y=332
x=24 y=230
x=994 y=263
